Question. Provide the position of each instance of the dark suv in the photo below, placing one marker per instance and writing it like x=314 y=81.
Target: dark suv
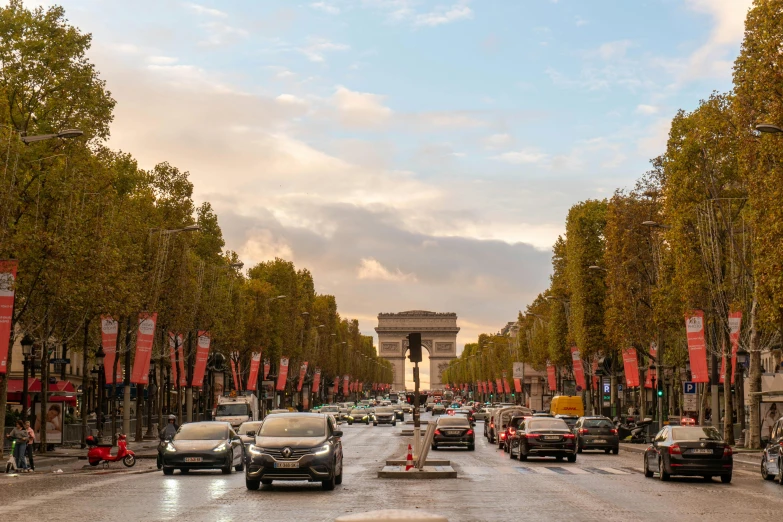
x=596 y=433
x=296 y=446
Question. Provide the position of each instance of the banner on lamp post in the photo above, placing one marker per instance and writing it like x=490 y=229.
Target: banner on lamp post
x=551 y=375
x=282 y=374
x=697 y=346
x=346 y=385
x=109 y=331
x=631 y=364
x=145 y=336
x=651 y=373
x=506 y=387
x=579 y=370
x=316 y=380
x=202 y=354
x=252 y=377
x=302 y=373
x=7 y=292
x=735 y=321
x=518 y=385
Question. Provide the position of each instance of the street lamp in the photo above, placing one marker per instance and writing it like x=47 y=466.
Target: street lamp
x=769 y=128
x=99 y=356
x=27 y=350
x=63 y=134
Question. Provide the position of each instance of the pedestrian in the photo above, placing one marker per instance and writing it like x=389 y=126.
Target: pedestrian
x=30 y=443
x=20 y=436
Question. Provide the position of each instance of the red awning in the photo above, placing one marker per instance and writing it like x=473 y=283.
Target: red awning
x=16 y=388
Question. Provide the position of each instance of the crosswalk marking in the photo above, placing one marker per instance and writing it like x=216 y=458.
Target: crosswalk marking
x=568 y=470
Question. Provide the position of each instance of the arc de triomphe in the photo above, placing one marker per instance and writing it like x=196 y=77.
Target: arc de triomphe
x=438 y=337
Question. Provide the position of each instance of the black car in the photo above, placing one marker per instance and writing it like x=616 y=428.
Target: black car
x=690 y=451
x=596 y=433
x=468 y=414
x=454 y=431
x=203 y=445
x=296 y=446
x=543 y=437
x=569 y=419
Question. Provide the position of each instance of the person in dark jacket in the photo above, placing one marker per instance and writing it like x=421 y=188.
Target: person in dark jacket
x=166 y=434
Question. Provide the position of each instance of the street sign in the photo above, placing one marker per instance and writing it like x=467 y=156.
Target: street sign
x=578 y=388
x=607 y=389
x=518 y=371
x=690 y=396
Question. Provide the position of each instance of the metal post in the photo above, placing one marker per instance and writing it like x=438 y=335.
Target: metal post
x=189 y=385
x=416 y=412
x=26 y=364
x=126 y=397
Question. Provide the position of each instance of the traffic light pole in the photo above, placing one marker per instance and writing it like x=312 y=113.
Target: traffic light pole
x=416 y=412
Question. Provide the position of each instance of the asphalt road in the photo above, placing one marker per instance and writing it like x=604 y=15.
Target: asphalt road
x=490 y=487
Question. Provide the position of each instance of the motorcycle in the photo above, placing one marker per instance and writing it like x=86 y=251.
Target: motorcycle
x=102 y=452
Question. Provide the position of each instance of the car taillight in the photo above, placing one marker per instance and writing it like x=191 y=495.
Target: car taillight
x=582 y=431
x=674 y=449
x=512 y=431
x=614 y=431
x=727 y=451
x=502 y=436
x=437 y=432
x=532 y=435
x=470 y=432
x=568 y=436
x=491 y=424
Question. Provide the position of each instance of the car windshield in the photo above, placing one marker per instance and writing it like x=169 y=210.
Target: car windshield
x=453 y=421
x=249 y=426
x=384 y=410
x=205 y=431
x=361 y=413
x=696 y=433
x=232 y=410
x=598 y=423
x=547 y=424
x=293 y=426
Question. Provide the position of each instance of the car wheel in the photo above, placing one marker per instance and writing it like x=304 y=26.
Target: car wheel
x=472 y=447
x=765 y=474
x=616 y=451
x=571 y=458
x=511 y=453
x=434 y=446
x=339 y=478
x=779 y=476
x=240 y=467
x=662 y=471
x=159 y=462
x=168 y=471
x=607 y=450
x=647 y=472
x=394 y=424
x=374 y=423
x=266 y=482
x=559 y=458
x=329 y=484
x=252 y=485
x=726 y=479
x=226 y=470
x=184 y=471
x=522 y=455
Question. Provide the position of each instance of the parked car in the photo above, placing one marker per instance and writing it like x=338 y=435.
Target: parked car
x=772 y=456
x=543 y=437
x=691 y=451
x=596 y=432
x=453 y=431
x=297 y=446
x=204 y=445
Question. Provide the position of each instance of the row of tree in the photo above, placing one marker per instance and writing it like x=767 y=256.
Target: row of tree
x=700 y=231
x=93 y=233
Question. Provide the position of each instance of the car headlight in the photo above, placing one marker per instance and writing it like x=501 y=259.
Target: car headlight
x=221 y=447
x=170 y=447
x=255 y=450
x=323 y=450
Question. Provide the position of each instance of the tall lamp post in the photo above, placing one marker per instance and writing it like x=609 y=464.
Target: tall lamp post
x=99 y=356
x=27 y=350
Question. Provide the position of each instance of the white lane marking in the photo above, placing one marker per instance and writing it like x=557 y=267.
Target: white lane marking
x=614 y=471
x=543 y=471
x=578 y=471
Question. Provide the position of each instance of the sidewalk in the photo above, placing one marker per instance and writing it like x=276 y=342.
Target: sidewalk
x=742 y=455
x=147 y=449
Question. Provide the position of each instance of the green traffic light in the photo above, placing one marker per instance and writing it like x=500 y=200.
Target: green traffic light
x=660 y=393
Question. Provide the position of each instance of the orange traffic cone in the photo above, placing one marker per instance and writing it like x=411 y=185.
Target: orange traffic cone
x=409 y=459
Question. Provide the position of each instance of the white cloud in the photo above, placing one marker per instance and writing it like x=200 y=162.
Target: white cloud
x=614 y=50
x=647 y=110
x=162 y=60
x=360 y=109
x=444 y=15
x=290 y=99
x=317 y=47
x=521 y=157
x=325 y=7
x=371 y=269
x=219 y=33
x=208 y=11
x=261 y=245
x=497 y=141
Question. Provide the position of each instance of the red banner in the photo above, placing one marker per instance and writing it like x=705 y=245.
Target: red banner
x=631 y=364
x=735 y=321
x=282 y=374
x=7 y=291
x=267 y=365
x=499 y=385
x=336 y=385
x=145 y=336
x=651 y=373
x=697 y=346
x=346 y=385
x=109 y=330
x=579 y=370
x=232 y=357
x=302 y=373
x=506 y=387
x=252 y=377
x=551 y=375
x=595 y=377
x=517 y=385
x=316 y=380
x=202 y=354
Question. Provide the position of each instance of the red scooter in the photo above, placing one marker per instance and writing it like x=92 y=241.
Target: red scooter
x=102 y=452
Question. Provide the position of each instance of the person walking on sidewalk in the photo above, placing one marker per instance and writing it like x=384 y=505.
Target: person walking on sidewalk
x=20 y=436
x=30 y=443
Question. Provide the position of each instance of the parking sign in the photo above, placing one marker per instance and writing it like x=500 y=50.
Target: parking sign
x=690 y=396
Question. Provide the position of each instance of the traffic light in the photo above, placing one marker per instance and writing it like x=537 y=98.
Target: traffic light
x=660 y=392
x=414 y=345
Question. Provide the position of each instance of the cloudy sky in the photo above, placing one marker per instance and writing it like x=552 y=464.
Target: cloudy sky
x=413 y=154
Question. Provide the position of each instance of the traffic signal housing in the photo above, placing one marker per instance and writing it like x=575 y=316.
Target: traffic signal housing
x=414 y=345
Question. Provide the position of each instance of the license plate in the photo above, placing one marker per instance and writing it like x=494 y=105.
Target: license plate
x=286 y=464
x=702 y=451
x=551 y=437
x=453 y=432
x=599 y=441
x=192 y=459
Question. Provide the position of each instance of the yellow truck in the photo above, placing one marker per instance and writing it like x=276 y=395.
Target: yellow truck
x=567 y=405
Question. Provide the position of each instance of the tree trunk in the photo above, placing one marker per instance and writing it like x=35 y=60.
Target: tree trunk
x=139 y=412
x=86 y=383
x=754 y=382
x=41 y=418
x=728 y=406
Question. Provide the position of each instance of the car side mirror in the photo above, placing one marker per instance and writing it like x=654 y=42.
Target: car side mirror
x=338 y=433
